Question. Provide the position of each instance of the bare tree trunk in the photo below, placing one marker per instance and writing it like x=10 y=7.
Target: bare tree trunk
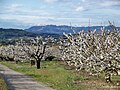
x=108 y=78
x=38 y=64
x=39 y=57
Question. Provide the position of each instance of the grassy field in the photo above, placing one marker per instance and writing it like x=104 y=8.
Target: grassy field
x=56 y=76
x=3 y=85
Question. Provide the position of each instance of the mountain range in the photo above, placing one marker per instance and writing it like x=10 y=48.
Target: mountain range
x=54 y=29
x=47 y=30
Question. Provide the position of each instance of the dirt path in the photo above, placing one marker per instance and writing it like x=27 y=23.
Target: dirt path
x=18 y=81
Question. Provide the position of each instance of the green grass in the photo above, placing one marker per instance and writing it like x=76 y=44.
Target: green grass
x=3 y=85
x=56 y=76
x=51 y=73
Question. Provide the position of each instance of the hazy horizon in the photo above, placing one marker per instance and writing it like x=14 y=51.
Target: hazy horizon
x=24 y=13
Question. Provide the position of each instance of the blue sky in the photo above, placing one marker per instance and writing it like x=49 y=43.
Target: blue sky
x=26 y=13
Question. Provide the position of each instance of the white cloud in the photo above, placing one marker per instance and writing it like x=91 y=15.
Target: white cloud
x=111 y=3
x=19 y=9
x=63 y=1
x=83 y=0
x=26 y=18
x=51 y=1
x=80 y=9
x=13 y=8
x=60 y=11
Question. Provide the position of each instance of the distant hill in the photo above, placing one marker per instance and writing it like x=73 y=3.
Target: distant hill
x=14 y=33
x=51 y=29
x=17 y=33
x=54 y=29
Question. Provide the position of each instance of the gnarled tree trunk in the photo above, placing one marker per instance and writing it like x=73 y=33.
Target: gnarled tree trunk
x=38 y=64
